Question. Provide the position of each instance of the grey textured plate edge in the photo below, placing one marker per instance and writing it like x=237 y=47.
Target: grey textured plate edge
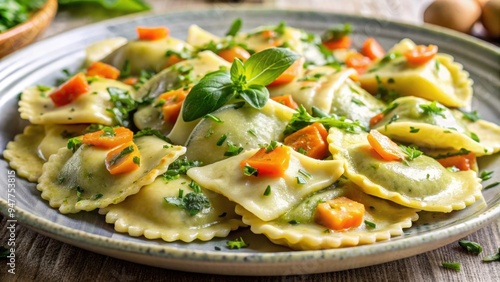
x=243 y=263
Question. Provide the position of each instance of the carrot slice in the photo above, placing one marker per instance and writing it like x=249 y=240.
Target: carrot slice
x=172 y=103
x=234 y=52
x=130 y=80
x=339 y=214
x=109 y=138
x=286 y=100
x=421 y=54
x=124 y=158
x=269 y=34
x=358 y=62
x=376 y=119
x=152 y=33
x=343 y=42
x=271 y=164
x=384 y=146
x=172 y=60
x=290 y=73
x=70 y=90
x=103 y=70
x=462 y=162
x=372 y=49
x=310 y=139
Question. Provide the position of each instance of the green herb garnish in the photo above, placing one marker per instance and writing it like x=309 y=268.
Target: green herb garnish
x=193 y=202
x=179 y=167
x=235 y=27
x=452 y=265
x=237 y=244
x=249 y=170
x=471 y=247
x=432 y=109
x=370 y=224
x=73 y=144
x=268 y=190
x=494 y=257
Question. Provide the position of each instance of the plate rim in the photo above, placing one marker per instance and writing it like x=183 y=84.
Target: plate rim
x=59 y=232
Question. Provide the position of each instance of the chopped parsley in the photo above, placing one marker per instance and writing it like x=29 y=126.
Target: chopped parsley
x=271 y=146
x=305 y=174
x=301 y=180
x=302 y=151
x=73 y=144
x=221 y=140
x=474 y=137
x=384 y=94
x=79 y=192
x=123 y=153
x=249 y=170
x=471 y=247
x=357 y=101
x=370 y=224
x=193 y=203
x=414 y=129
x=179 y=167
x=236 y=244
x=336 y=32
x=432 y=109
x=494 y=257
x=494 y=184
x=151 y=132
x=293 y=222
x=389 y=108
x=108 y=132
x=252 y=132
x=485 y=175
x=232 y=149
x=460 y=152
x=411 y=152
x=267 y=192
x=214 y=118
x=451 y=265
x=137 y=160
x=97 y=196
x=471 y=116
x=123 y=105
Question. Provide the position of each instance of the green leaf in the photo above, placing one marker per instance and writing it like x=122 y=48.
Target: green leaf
x=471 y=247
x=117 y=5
x=494 y=257
x=451 y=265
x=212 y=92
x=237 y=72
x=264 y=67
x=235 y=27
x=255 y=95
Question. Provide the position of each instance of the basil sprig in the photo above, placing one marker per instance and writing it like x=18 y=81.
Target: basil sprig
x=244 y=81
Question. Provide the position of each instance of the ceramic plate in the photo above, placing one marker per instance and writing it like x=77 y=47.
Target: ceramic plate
x=42 y=63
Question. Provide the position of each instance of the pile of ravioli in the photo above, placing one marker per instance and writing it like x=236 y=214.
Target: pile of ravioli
x=392 y=192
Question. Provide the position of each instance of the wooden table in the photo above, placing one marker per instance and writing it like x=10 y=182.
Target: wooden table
x=43 y=259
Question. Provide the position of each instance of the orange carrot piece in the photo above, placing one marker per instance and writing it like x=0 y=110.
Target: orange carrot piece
x=124 y=158
x=376 y=119
x=104 y=139
x=269 y=34
x=462 y=162
x=130 y=80
x=339 y=214
x=103 y=70
x=311 y=139
x=421 y=54
x=286 y=100
x=173 y=103
x=271 y=164
x=358 y=62
x=290 y=73
x=152 y=33
x=70 y=90
x=343 y=42
x=234 y=52
x=384 y=146
x=172 y=60
x=372 y=49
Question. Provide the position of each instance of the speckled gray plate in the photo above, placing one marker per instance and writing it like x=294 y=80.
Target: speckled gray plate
x=42 y=63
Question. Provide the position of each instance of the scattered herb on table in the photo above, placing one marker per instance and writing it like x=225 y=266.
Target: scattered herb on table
x=494 y=257
x=471 y=247
x=452 y=265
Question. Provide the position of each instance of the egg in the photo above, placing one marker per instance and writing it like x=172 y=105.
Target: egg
x=459 y=15
x=491 y=17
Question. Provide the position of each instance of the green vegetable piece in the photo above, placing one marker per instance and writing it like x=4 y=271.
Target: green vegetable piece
x=237 y=244
x=494 y=257
x=117 y=5
x=452 y=265
x=471 y=247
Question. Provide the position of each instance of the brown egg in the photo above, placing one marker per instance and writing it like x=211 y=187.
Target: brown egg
x=491 y=17
x=459 y=15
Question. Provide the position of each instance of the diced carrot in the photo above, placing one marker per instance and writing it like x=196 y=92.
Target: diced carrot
x=234 y=52
x=358 y=62
x=152 y=33
x=343 y=42
x=269 y=34
x=290 y=73
x=130 y=80
x=271 y=164
x=311 y=139
x=103 y=70
x=384 y=146
x=124 y=158
x=172 y=60
x=340 y=214
x=462 y=162
x=70 y=90
x=286 y=100
x=372 y=49
x=104 y=139
x=376 y=119
x=421 y=54
x=173 y=103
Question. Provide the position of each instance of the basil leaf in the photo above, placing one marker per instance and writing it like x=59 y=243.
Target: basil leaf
x=235 y=27
x=211 y=93
x=255 y=95
x=264 y=67
x=117 y=5
x=238 y=72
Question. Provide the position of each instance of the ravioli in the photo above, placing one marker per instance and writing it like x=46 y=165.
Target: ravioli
x=22 y=152
x=242 y=128
x=298 y=230
x=138 y=55
x=423 y=183
x=440 y=79
x=148 y=214
x=191 y=70
x=99 y=50
x=68 y=179
x=226 y=177
x=91 y=107
x=56 y=137
x=412 y=122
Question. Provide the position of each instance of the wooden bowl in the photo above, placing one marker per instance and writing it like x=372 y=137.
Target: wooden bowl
x=23 y=34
